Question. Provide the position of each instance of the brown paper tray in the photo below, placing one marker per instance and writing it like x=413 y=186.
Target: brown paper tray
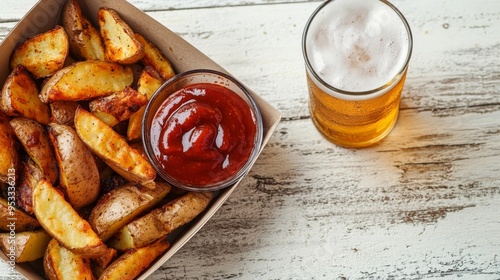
x=183 y=56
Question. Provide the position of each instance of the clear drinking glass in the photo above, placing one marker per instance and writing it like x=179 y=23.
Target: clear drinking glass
x=356 y=55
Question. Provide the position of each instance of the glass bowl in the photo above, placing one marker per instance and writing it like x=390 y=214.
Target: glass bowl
x=150 y=124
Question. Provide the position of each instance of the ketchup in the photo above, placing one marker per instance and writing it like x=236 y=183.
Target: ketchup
x=202 y=134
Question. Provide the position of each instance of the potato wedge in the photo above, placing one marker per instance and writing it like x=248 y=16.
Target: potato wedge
x=120 y=43
x=154 y=58
x=86 y=80
x=29 y=177
x=12 y=218
x=161 y=221
x=78 y=174
x=59 y=263
x=113 y=149
x=36 y=142
x=25 y=246
x=131 y=264
x=63 y=112
x=43 y=54
x=63 y=223
x=20 y=97
x=146 y=85
x=9 y=157
x=120 y=206
x=118 y=106
x=85 y=41
x=140 y=148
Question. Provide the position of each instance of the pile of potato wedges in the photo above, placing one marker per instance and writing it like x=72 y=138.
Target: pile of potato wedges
x=77 y=191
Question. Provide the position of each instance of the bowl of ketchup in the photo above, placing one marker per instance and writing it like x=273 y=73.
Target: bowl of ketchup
x=202 y=130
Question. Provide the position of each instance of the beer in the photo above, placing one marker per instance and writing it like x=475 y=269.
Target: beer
x=357 y=54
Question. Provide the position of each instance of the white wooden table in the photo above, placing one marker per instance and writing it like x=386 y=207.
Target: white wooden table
x=424 y=203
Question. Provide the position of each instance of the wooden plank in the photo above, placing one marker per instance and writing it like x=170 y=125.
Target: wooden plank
x=13 y=10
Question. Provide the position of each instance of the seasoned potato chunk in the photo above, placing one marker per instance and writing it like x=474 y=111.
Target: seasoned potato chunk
x=118 y=106
x=63 y=223
x=78 y=174
x=120 y=43
x=43 y=54
x=9 y=157
x=85 y=42
x=86 y=80
x=36 y=142
x=113 y=149
x=20 y=97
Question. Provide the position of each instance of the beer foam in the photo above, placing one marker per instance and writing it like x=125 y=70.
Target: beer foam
x=357 y=45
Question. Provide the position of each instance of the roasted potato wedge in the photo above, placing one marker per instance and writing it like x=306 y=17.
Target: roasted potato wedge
x=118 y=106
x=43 y=54
x=132 y=263
x=86 y=80
x=59 y=263
x=149 y=81
x=36 y=142
x=20 y=97
x=154 y=58
x=120 y=43
x=161 y=221
x=85 y=42
x=29 y=177
x=78 y=174
x=63 y=112
x=25 y=246
x=12 y=218
x=9 y=157
x=146 y=85
x=63 y=223
x=120 y=206
x=113 y=149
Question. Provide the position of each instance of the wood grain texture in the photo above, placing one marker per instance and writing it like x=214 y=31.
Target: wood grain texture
x=424 y=203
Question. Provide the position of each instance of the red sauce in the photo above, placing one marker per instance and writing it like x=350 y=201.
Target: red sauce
x=202 y=134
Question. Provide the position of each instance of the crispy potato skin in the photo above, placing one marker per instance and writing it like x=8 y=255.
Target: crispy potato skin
x=118 y=207
x=63 y=112
x=113 y=149
x=29 y=245
x=20 y=97
x=154 y=58
x=147 y=84
x=29 y=177
x=43 y=54
x=85 y=42
x=85 y=80
x=23 y=222
x=60 y=263
x=63 y=223
x=9 y=157
x=118 y=106
x=120 y=43
x=132 y=263
x=78 y=174
x=161 y=221
x=36 y=142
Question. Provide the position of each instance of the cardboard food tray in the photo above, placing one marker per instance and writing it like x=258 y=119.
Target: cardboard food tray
x=183 y=56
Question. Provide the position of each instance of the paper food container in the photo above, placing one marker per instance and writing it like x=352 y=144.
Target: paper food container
x=183 y=56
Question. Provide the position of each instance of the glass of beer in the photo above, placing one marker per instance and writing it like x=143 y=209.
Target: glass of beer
x=356 y=55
